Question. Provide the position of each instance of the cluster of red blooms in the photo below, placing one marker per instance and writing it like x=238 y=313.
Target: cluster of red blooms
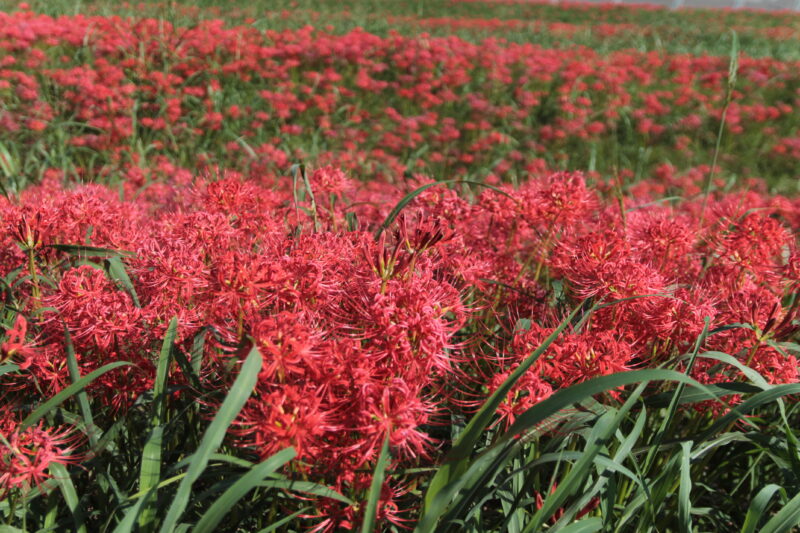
x=255 y=101
x=364 y=337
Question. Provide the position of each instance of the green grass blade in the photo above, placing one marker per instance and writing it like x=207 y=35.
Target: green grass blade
x=416 y=192
x=211 y=518
x=587 y=525
x=116 y=271
x=577 y=393
x=758 y=507
x=602 y=431
x=685 y=490
x=666 y=421
x=458 y=458
x=88 y=251
x=785 y=520
x=283 y=521
x=307 y=487
x=62 y=396
x=150 y=469
x=62 y=477
x=233 y=403
x=83 y=399
x=8 y=368
x=371 y=510
x=738 y=411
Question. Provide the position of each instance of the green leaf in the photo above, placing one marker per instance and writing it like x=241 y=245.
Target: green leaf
x=786 y=519
x=282 y=521
x=117 y=272
x=738 y=411
x=62 y=396
x=88 y=251
x=83 y=400
x=684 y=492
x=587 y=525
x=307 y=487
x=601 y=432
x=211 y=519
x=457 y=460
x=371 y=509
x=233 y=403
x=577 y=393
x=413 y=194
x=8 y=368
x=62 y=477
x=758 y=506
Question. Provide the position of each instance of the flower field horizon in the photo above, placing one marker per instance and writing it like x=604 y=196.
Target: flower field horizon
x=388 y=266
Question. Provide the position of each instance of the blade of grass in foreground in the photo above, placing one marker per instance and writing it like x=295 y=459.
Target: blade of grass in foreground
x=61 y=475
x=233 y=403
x=150 y=470
x=375 y=488
x=457 y=460
x=786 y=519
x=529 y=419
x=211 y=519
x=62 y=396
x=416 y=192
x=758 y=506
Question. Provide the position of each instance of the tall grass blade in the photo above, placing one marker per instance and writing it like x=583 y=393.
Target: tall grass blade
x=66 y=393
x=685 y=490
x=587 y=525
x=150 y=470
x=83 y=399
x=116 y=271
x=416 y=192
x=758 y=506
x=457 y=460
x=8 y=368
x=785 y=520
x=233 y=403
x=601 y=432
x=211 y=518
x=371 y=510
x=283 y=521
x=62 y=477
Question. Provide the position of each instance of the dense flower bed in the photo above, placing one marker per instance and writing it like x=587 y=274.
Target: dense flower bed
x=114 y=93
x=366 y=336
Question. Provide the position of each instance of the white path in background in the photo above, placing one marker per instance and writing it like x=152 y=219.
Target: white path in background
x=771 y=5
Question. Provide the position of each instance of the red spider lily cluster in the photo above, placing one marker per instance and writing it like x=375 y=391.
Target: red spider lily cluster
x=367 y=333
x=257 y=101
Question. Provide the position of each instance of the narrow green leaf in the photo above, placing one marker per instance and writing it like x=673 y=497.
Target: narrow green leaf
x=416 y=192
x=8 y=368
x=307 y=487
x=233 y=403
x=577 y=393
x=90 y=251
x=116 y=271
x=758 y=507
x=587 y=525
x=457 y=460
x=62 y=477
x=83 y=400
x=785 y=520
x=150 y=468
x=601 y=433
x=284 y=521
x=371 y=510
x=211 y=518
x=739 y=411
x=685 y=490
x=62 y=396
